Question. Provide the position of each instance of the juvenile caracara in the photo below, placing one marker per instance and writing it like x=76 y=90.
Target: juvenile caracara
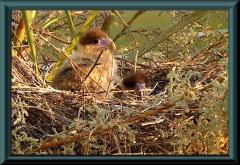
x=90 y=45
x=135 y=81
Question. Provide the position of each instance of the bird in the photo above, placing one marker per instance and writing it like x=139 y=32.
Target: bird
x=135 y=81
x=95 y=64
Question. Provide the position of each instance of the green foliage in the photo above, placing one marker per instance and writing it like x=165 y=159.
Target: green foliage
x=211 y=132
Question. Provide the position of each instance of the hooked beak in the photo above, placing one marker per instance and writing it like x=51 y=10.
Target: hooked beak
x=106 y=43
x=139 y=86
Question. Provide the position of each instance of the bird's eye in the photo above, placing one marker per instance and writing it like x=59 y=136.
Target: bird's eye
x=95 y=41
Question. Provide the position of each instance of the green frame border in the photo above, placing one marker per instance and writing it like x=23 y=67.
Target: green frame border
x=5 y=75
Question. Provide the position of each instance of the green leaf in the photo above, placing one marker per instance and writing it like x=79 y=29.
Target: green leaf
x=70 y=22
x=108 y=21
x=121 y=18
x=27 y=17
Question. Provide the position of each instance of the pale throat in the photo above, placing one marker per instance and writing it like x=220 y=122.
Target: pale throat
x=106 y=60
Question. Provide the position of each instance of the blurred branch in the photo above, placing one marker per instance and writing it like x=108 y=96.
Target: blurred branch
x=175 y=28
x=128 y=24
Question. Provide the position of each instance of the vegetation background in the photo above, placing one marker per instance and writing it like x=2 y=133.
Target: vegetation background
x=184 y=110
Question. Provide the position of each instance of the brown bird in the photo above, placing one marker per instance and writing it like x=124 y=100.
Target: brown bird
x=91 y=44
x=135 y=81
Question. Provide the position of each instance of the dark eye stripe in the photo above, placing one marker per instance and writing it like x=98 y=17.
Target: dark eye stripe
x=95 y=41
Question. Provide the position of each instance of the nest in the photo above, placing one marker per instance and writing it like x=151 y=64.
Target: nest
x=73 y=123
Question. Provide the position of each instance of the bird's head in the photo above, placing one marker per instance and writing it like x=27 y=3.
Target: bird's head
x=136 y=81
x=95 y=40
